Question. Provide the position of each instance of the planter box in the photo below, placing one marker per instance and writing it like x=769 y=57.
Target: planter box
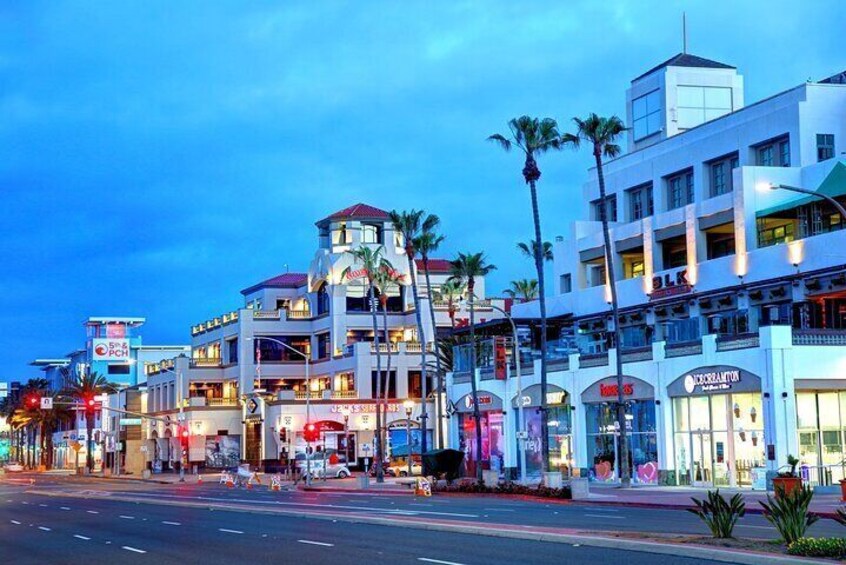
x=786 y=485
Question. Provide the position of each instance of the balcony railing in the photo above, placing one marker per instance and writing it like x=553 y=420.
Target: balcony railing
x=593 y=359
x=738 y=341
x=344 y=394
x=205 y=362
x=267 y=314
x=413 y=347
x=819 y=337
x=222 y=402
x=313 y=395
x=298 y=315
x=683 y=348
x=634 y=354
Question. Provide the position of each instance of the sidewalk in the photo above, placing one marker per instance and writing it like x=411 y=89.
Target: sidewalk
x=680 y=497
x=391 y=485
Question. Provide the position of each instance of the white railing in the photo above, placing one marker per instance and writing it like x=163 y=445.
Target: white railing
x=266 y=314
x=222 y=402
x=344 y=394
x=819 y=337
x=313 y=395
x=299 y=314
x=413 y=347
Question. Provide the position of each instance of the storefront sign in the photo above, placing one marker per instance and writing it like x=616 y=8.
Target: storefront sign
x=362 y=273
x=531 y=396
x=487 y=402
x=670 y=284
x=714 y=379
x=362 y=408
x=104 y=349
x=115 y=331
x=606 y=389
x=500 y=361
x=484 y=399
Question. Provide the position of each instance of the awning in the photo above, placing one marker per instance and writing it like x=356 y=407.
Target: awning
x=833 y=185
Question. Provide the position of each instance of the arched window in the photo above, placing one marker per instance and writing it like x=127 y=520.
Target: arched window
x=322 y=300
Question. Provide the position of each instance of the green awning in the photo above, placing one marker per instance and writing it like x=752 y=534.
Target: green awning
x=833 y=185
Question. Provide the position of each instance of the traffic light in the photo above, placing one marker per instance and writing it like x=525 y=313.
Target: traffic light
x=311 y=433
x=283 y=435
x=33 y=401
x=90 y=403
x=184 y=434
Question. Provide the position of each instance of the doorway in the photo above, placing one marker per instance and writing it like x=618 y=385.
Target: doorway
x=252 y=451
x=703 y=459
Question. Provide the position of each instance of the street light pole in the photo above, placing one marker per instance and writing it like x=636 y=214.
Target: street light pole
x=521 y=419
x=307 y=357
x=409 y=405
x=837 y=205
x=345 y=412
x=181 y=418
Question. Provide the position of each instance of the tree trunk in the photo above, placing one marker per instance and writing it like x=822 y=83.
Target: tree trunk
x=542 y=300
x=49 y=448
x=477 y=416
x=384 y=302
x=380 y=476
x=424 y=413
x=623 y=463
x=89 y=441
x=439 y=406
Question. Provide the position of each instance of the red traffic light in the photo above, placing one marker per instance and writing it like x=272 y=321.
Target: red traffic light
x=311 y=433
x=33 y=401
x=185 y=432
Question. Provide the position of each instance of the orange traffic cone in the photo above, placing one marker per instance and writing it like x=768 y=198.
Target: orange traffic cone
x=199 y=479
x=249 y=485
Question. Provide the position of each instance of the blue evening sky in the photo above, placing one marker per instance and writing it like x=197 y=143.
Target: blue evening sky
x=157 y=157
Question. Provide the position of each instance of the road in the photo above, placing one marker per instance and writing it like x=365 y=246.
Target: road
x=88 y=521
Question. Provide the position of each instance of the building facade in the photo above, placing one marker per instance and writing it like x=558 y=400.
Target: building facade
x=733 y=317
x=300 y=350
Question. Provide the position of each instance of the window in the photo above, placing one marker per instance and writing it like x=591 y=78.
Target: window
x=679 y=190
x=721 y=174
x=323 y=300
x=646 y=114
x=635 y=269
x=611 y=205
x=233 y=351
x=566 y=283
x=371 y=233
x=323 y=346
x=122 y=369
x=640 y=202
x=596 y=274
x=825 y=146
x=773 y=153
x=699 y=104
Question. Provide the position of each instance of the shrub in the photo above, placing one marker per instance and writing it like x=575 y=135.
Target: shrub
x=840 y=516
x=819 y=547
x=789 y=513
x=508 y=488
x=719 y=514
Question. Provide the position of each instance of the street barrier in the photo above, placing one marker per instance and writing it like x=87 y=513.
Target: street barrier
x=422 y=487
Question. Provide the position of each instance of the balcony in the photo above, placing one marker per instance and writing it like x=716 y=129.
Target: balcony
x=222 y=402
x=819 y=337
x=298 y=315
x=200 y=362
x=635 y=354
x=344 y=395
x=683 y=348
x=738 y=341
x=587 y=360
x=313 y=395
x=267 y=314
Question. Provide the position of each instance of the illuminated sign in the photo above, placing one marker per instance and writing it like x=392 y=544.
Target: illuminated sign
x=500 y=360
x=363 y=408
x=106 y=349
x=353 y=274
x=711 y=381
x=484 y=399
x=610 y=390
x=669 y=284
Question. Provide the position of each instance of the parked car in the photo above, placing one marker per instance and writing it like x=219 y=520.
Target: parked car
x=400 y=469
x=13 y=467
x=335 y=465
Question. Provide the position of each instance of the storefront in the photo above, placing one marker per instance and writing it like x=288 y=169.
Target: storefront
x=718 y=426
x=493 y=444
x=821 y=423
x=559 y=430
x=603 y=430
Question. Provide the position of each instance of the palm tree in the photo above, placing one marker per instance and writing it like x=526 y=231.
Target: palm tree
x=533 y=137
x=50 y=422
x=530 y=250
x=427 y=243
x=385 y=280
x=602 y=134
x=466 y=268
x=411 y=225
x=451 y=292
x=523 y=289
x=83 y=387
x=35 y=433
x=372 y=261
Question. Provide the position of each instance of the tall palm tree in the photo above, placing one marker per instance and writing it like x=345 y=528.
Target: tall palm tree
x=451 y=292
x=411 y=224
x=465 y=269
x=533 y=137
x=372 y=261
x=523 y=289
x=601 y=135
x=50 y=423
x=427 y=243
x=83 y=387
x=385 y=280
x=35 y=429
x=530 y=250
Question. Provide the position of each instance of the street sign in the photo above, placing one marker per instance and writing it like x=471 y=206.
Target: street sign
x=130 y=421
x=523 y=435
x=46 y=402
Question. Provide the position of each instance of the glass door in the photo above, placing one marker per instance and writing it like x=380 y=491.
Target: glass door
x=702 y=460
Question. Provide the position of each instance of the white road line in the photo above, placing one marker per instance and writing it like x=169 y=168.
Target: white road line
x=126 y=517
x=604 y=510
x=498 y=510
x=427 y=560
x=77 y=536
x=756 y=527
x=309 y=542
x=133 y=549
x=15 y=522
x=605 y=516
x=44 y=528
x=92 y=511
x=24 y=502
x=43 y=505
x=171 y=523
x=64 y=508
x=230 y=531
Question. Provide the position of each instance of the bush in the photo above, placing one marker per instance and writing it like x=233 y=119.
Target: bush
x=508 y=488
x=719 y=515
x=840 y=516
x=789 y=513
x=819 y=547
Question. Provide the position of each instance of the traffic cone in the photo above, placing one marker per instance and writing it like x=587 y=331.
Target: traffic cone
x=249 y=485
x=199 y=479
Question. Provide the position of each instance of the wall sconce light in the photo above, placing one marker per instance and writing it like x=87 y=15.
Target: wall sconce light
x=784 y=395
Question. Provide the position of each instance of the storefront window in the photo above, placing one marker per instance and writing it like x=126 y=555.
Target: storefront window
x=560 y=440
x=821 y=418
x=493 y=452
x=603 y=441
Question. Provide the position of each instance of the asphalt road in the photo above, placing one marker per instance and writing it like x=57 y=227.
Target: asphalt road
x=40 y=529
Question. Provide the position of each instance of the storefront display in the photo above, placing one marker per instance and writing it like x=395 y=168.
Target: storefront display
x=821 y=423
x=718 y=426
x=603 y=430
x=493 y=449
x=558 y=429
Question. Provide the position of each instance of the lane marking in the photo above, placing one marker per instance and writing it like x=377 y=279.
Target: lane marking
x=77 y=536
x=126 y=517
x=171 y=523
x=64 y=508
x=605 y=516
x=604 y=510
x=15 y=522
x=756 y=527
x=309 y=542
x=133 y=549
x=43 y=505
x=427 y=560
x=498 y=510
x=230 y=531
x=92 y=511
x=44 y=528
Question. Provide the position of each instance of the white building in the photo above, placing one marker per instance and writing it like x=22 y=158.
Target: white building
x=733 y=298
x=245 y=395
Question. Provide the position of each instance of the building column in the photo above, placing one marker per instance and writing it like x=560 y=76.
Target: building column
x=779 y=396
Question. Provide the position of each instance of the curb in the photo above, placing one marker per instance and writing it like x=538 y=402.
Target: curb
x=495 y=530
x=354 y=490
x=139 y=480
x=657 y=506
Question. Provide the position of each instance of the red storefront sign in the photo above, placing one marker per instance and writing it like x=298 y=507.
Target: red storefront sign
x=607 y=391
x=500 y=360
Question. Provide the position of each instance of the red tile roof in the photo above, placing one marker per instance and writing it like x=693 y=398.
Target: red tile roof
x=285 y=280
x=436 y=265
x=359 y=210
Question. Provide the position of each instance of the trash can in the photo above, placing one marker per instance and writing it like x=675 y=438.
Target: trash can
x=363 y=481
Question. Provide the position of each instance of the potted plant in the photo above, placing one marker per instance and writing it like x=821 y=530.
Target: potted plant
x=787 y=481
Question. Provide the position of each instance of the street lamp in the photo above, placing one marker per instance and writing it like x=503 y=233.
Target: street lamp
x=345 y=412
x=409 y=406
x=305 y=356
x=183 y=456
x=839 y=207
